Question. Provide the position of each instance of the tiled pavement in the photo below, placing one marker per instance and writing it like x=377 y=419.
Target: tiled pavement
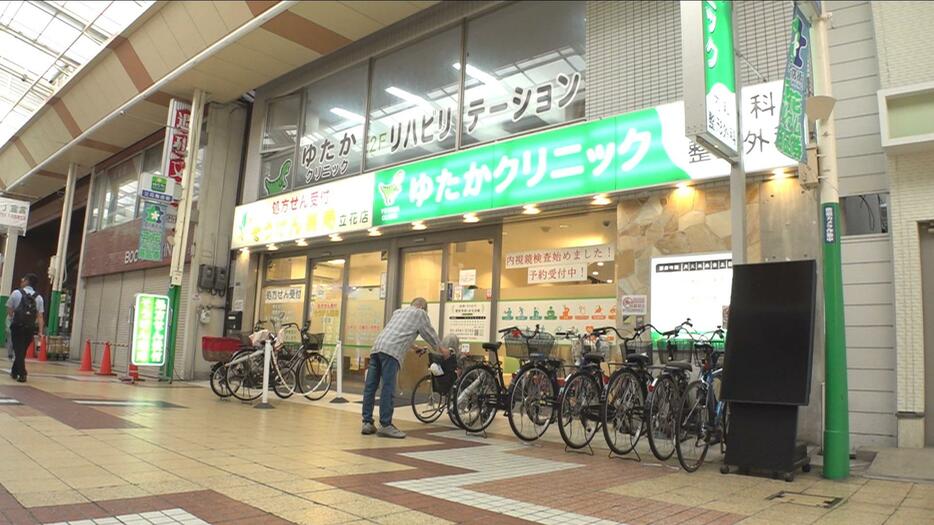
x=176 y=454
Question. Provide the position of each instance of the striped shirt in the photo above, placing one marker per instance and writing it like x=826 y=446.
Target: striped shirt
x=400 y=332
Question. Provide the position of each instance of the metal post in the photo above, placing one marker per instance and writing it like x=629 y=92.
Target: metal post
x=836 y=416
x=737 y=169
x=267 y=357
x=58 y=276
x=6 y=277
x=182 y=230
x=339 y=355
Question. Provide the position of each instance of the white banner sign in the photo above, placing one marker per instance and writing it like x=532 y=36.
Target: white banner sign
x=691 y=286
x=468 y=321
x=14 y=214
x=554 y=256
x=340 y=206
x=283 y=294
x=558 y=273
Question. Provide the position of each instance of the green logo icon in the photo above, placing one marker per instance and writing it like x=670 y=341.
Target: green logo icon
x=159 y=184
x=281 y=182
x=392 y=190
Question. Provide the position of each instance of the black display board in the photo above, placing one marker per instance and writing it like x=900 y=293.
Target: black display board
x=770 y=341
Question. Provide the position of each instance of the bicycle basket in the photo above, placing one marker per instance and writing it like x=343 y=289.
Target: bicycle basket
x=313 y=342
x=638 y=346
x=219 y=348
x=674 y=350
x=443 y=383
x=520 y=346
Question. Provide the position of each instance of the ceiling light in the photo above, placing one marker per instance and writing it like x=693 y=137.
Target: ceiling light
x=374 y=232
x=409 y=97
x=349 y=115
x=301 y=242
x=336 y=237
x=471 y=217
x=530 y=209
x=272 y=247
x=609 y=281
x=594 y=273
x=600 y=263
x=601 y=200
x=482 y=76
x=336 y=261
x=682 y=185
x=419 y=225
x=563 y=226
x=245 y=250
x=780 y=173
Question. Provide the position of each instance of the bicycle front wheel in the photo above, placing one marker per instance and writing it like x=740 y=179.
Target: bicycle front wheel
x=476 y=400
x=532 y=403
x=427 y=404
x=623 y=409
x=579 y=410
x=245 y=378
x=660 y=415
x=692 y=427
x=314 y=376
x=219 y=380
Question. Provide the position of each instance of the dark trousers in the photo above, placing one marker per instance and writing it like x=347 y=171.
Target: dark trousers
x=383 y=368
x=21 y=338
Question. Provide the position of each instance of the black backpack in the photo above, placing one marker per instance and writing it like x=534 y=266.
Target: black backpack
x=26 y=312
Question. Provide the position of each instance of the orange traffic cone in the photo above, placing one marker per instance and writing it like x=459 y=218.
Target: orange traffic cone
x=86 y=364
x=31 y=349
x=43 y=348
x=133 y=372
x=105 y=362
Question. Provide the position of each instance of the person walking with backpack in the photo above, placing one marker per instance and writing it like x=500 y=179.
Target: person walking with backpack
x=25 y=310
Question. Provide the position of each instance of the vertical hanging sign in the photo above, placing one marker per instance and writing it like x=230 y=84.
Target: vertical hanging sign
x=791 y=138
x=709 y=71
x=152 y=231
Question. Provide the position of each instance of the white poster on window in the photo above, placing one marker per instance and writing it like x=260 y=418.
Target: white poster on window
x=555 y=256
x=283 y=294
x=691 y=286
x=557 y=315
x=467 y=277
x=470 y=322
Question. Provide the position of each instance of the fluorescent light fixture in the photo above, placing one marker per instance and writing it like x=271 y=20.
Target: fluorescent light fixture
x=471 y=217
x=530 y=209
x=374 y=232
x=349 y=115
x=600 y=263
x=419 y=225
x=409 y=97
x=272 y=247
x=336 y=261
x=564 y=226
x=301 y=242
x=336 y=237
x=482 y=76
x=594 y=273
x=601 y=200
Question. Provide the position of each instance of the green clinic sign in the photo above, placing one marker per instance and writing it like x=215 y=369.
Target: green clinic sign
x=629 y=151
x=710 y=75
x=150 y=330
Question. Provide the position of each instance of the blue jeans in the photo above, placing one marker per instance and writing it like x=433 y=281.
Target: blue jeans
x=383 y=368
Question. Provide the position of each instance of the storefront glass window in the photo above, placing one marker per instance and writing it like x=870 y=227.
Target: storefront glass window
x=865 y=214
x=278 y=148
x=414 y=100
x=286 y=269
x=525 y=69
x=467 y=309
x=324 y=304
x=121 y=186
x=332 y=137
x=283 y=304
x=365 y=305
x=559 y=273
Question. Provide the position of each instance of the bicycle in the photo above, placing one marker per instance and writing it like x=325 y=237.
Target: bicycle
x=580 y=402
x=623 y=408
x=702 y=417
x=481 y=389
x=664 y=394
x=432 y=394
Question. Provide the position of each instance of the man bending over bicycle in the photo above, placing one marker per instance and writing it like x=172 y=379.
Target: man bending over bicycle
x=391 y=344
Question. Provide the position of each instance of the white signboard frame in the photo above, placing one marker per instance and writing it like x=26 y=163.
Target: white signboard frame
x=695 y=286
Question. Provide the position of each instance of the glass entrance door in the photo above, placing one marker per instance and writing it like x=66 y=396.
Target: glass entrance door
x=325 y=300
x=421 y=277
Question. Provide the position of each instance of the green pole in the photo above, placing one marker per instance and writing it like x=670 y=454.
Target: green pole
x=3 y=300
x=55 y=302
x=836 y=418
x=168 y=369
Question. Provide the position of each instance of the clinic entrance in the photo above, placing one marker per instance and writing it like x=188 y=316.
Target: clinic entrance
x=456 y=273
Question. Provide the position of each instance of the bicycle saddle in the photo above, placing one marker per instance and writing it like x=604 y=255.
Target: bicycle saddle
x=679 y=365
x=491 y=347
x=592 y=358
x=638 y=359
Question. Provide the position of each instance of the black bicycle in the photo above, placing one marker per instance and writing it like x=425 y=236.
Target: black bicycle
x=702 y=417
x=664 y=394
x=530 y=399
x=580 y=403
x=433 y=394
x=623 y=406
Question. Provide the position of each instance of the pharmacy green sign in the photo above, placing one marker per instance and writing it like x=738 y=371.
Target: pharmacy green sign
x=628 y=151
x=150 y=330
